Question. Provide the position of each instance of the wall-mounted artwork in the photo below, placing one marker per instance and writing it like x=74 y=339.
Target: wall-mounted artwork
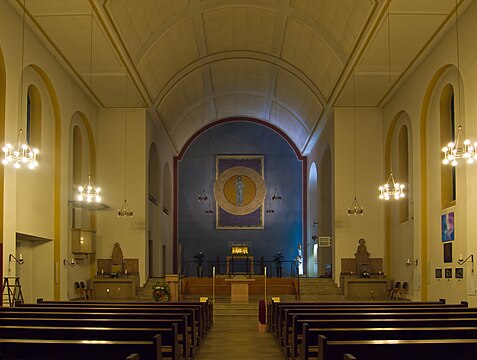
x=448 y=273
x=438 y=273
x=448 y=253
x=459 y=273
x=239 y=192
x=447 y=226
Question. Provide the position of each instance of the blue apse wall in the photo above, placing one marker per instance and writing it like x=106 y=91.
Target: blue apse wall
x=282 y=169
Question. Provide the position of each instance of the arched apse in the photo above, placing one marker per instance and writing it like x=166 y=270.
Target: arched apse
x=154 y=246
x=280 y=231
x=325 y=211
x=81 y=163
x=166 y=218
x=433 y=206
x=399 y=223
x=312 y=222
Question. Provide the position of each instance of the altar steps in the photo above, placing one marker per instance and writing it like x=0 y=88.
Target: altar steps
x=319 y=289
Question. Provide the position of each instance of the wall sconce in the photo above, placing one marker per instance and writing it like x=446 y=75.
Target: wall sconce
x=66 y=262
x=410 y=263
x=20 y=260
x=462 y=262
x=315 y=223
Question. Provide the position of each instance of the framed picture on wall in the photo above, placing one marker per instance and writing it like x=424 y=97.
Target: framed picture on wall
x=447 y=226
x=459 y=273
x=438 y=273
x=448 y=273
x=448 y=253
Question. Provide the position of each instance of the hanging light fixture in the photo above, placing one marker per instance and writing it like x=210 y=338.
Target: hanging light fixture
x=270 y=210
x=125 y=211
x=89 y=192
x=457 y=150
x=202 y=196
x=355 y=208
x=20 y=153
x=276 y=195
x=391 y=189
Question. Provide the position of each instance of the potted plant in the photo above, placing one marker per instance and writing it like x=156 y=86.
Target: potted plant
x=277 y=260
x=161 y=291
x=199 y=260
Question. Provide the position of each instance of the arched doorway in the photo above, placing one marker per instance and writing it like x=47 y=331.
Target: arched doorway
x=312 y=222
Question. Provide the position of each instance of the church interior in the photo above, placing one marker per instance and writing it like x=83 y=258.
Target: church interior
x=280 y=140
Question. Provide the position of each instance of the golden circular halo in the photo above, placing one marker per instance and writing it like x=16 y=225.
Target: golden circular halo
x=253 y=192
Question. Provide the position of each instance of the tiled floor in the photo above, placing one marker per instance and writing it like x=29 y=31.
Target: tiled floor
x=238 y=339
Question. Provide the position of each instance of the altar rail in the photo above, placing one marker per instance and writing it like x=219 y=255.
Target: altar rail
x=239 y=266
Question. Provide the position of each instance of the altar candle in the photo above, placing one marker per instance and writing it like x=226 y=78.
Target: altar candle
x=213 y=271
x=460 y=257
x=20 y=257
x=265 y=271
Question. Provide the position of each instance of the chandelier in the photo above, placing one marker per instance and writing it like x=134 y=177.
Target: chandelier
x=456 y=151
x=125 y=211
x=20 y=153
x=355 y=208
x=391 y=189
x=89 y=192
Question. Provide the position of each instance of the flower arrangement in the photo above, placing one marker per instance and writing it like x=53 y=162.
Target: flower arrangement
x=161 y=291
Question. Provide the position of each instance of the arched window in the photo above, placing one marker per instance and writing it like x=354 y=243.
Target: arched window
x=404 y=172
x=33 y=117
x=77 y=157
x=447 y=130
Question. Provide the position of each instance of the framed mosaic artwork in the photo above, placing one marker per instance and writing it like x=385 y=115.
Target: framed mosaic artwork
x=239 y=192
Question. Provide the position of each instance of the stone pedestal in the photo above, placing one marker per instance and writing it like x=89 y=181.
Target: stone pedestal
x=239 y=290
x=173 y=281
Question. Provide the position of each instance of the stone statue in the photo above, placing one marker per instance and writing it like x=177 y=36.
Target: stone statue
x=117 y=256
x=362 y=257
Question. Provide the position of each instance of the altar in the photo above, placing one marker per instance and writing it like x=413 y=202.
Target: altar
x=239 y=290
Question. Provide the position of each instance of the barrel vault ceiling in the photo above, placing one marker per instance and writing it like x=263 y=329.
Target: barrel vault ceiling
x=287 y=62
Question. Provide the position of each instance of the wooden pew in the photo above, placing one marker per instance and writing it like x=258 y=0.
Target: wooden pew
x=373 y=320
x=116 y=329
x=206 y=308
x=39 y=349
x=284 y=325
x=190 y=337
x=169 y=348
x=310 y=347
x=200 y=309
x=273 y=307
x=282 y=309
x=136 y=357
x=425 y=349
x=198 y=331
x=345 y=357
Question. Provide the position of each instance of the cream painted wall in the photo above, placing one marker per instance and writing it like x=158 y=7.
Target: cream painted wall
x=69 y=99
x=130 y=233
x=165 y=223
x=420 y=90
x=369 y=174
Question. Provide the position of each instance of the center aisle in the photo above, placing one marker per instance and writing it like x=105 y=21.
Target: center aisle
x=236 y=336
